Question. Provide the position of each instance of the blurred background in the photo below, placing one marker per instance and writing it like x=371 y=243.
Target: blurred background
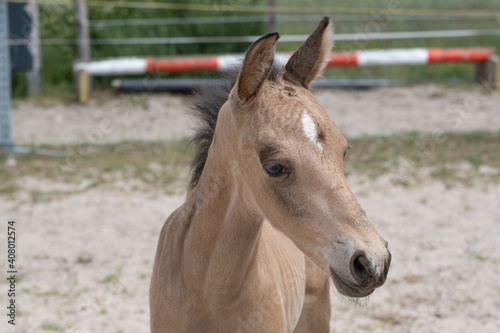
x=91 y=170
x=123 y=29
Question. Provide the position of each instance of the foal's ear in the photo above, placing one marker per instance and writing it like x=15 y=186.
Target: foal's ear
x=311 y=57
x=256 y=66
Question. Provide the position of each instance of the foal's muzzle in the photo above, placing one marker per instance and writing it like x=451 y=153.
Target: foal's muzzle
x=368 y=273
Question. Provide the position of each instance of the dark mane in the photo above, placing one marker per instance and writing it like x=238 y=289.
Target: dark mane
x=205 y=108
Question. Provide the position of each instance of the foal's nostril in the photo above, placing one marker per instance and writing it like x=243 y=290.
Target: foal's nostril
x=361 y=268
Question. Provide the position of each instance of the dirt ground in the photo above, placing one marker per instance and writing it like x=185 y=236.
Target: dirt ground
x=85 y=259
x=356 y=112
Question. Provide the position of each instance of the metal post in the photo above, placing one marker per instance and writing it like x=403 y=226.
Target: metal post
x=34 y=80
x=82 y=30
x=83 y=41
x=6 y=143
x=272 y=16
x=5 y=135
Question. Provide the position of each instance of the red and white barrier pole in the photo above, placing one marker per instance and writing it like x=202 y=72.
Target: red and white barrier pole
x=416 y=56
x=487 y=70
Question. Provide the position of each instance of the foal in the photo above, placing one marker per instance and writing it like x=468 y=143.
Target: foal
x=268 y=218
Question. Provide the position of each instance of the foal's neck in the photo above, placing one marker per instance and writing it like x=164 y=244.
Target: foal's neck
x=223 y=237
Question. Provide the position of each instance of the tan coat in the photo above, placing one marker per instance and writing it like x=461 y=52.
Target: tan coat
x=270 y=219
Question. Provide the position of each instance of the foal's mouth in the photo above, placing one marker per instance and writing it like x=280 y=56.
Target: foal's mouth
x=347 y=289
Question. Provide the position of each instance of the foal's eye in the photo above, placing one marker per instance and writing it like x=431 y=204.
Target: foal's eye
x=274 y=169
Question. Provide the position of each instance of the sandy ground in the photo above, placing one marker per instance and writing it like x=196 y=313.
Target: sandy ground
x=85 y=259
x=376 y=111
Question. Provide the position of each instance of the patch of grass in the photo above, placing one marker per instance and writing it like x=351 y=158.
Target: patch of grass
x=475 y=161
x=408 y=152
x=470 y=300
x=158 y=165
x=9 y=190
x=446 y=174
x=163 y=165
x=49 y=326
x=113 y=277
x=481 y=257
x=389 y=318
x=50 y=293
x=46 y=196
x=401 y=182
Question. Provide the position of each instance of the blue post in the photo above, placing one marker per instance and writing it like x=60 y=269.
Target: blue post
x=6 y=143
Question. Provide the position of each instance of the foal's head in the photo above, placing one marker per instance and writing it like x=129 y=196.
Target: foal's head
x=287 y=155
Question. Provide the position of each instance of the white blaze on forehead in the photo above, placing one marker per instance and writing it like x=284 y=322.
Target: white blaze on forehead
x=309 y=128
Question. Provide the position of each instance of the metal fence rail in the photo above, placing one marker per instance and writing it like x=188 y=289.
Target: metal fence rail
x=251 y=39
x=283 y=9
x=280 y=18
